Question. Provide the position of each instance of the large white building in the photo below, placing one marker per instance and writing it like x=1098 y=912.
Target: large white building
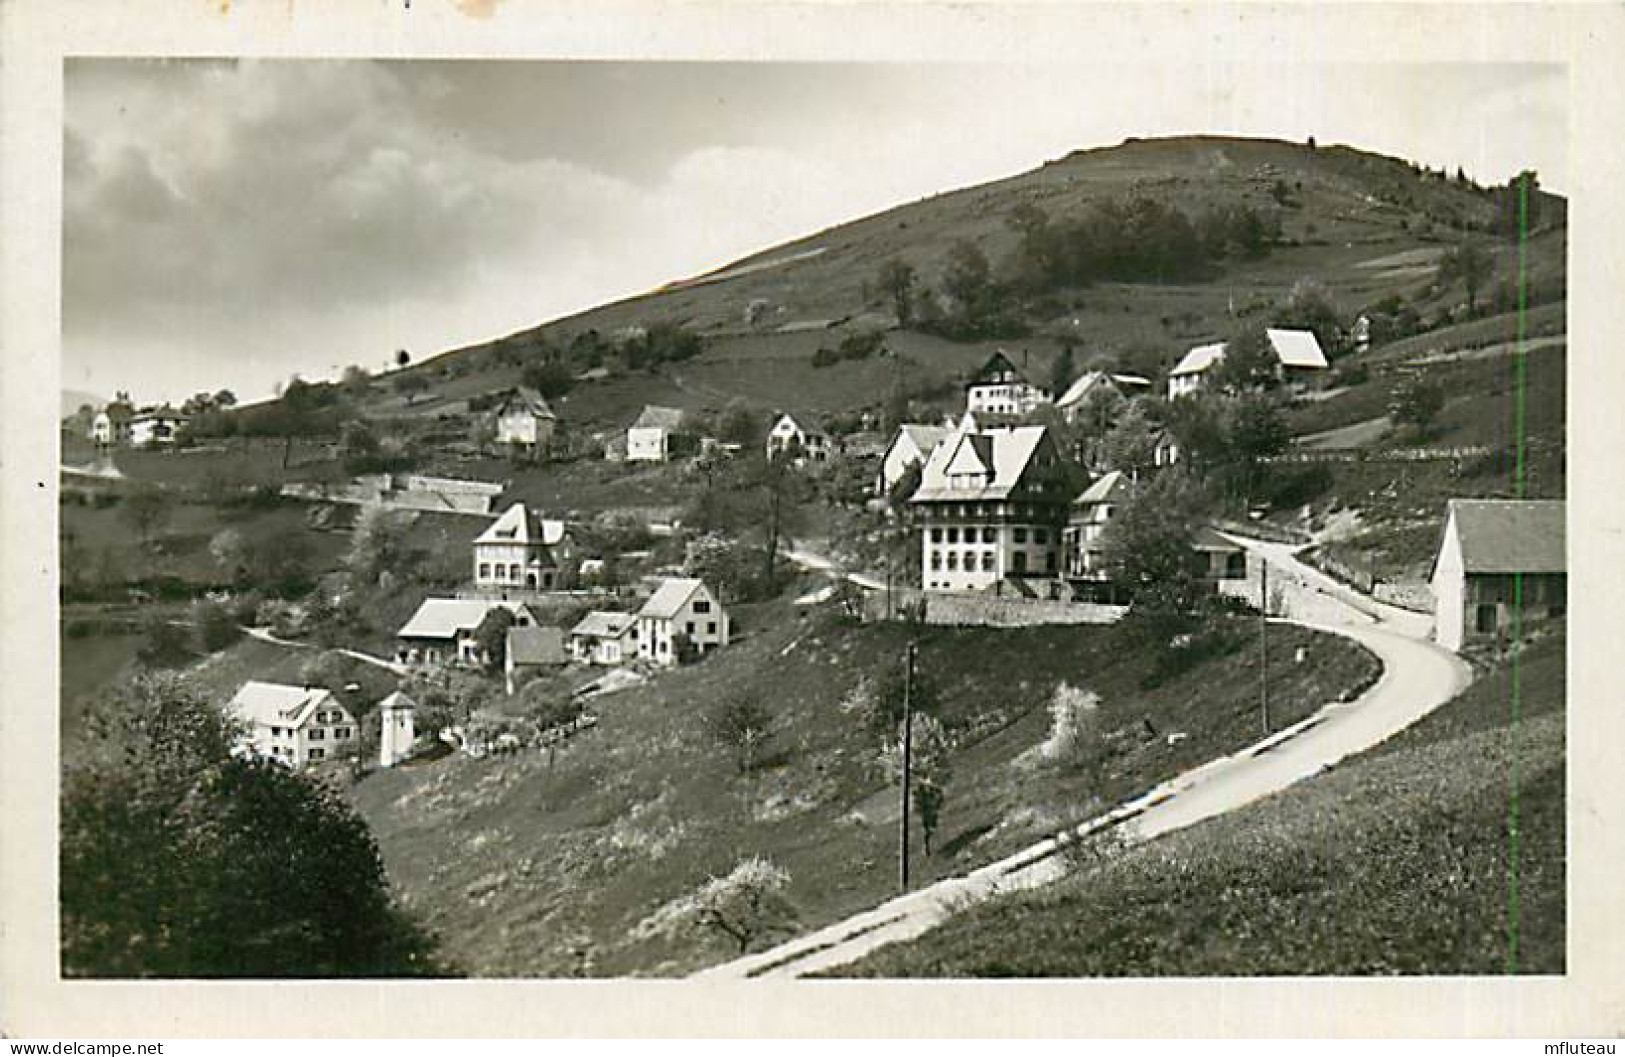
x=293 y=725
x=523 y=550
x=992 y=506
x=1002 y=390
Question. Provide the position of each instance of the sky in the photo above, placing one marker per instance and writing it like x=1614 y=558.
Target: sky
x=227 y=224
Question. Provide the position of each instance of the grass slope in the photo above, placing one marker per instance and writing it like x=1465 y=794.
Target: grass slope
x=1397 y=862
x=519 y=863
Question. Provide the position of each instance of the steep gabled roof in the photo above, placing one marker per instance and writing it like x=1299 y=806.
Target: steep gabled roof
x=521 y=525
x=1081 y=385
x=601 y=624
x=808 y=422
x=1111 y=488
x=669 y=597
x=653 y=415
x=1296 y=348
x=443 y=618
x=397 y=700
x=1198 y=359
x=1007 y=452
x=524 y=398
x=536 y=645
x=279 y=705
x=1510 y=535
x=999 y=370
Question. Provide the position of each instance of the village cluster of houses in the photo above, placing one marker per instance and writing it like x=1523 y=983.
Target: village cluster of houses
x=120 y=424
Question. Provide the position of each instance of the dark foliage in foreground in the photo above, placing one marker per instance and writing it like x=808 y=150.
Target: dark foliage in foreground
x=178 y=861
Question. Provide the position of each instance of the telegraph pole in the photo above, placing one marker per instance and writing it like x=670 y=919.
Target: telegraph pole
x=1263 y=640
x=908 y=764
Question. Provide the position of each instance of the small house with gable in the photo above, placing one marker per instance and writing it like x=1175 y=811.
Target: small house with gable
x=293 y=725
x=1500 y=562
x=679 y=606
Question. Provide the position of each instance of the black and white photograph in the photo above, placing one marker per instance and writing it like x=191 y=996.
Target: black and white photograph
x=736 y=519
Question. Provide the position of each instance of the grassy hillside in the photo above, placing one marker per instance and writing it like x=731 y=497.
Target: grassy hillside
x=1399 y=861
x=519 y=862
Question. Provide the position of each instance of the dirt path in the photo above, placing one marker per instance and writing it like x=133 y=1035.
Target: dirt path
x=264 y=635
x=1417 y=678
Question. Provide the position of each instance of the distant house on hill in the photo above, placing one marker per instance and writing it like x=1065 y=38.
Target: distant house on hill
x=442 y=630
x=1087 y=386
x=1165 y=449
x=111 y=426
x=531 y=649
x=524 y=420
x=1298 y=355
x=293 y=725
x=991 y=508
x=155 y=426
x=802 y=434
x=1086 y=526
x=679 y=606
x=1500 y=562
x=1001 y=389
x=523 y=550
x=603 y=638
x=649 y=438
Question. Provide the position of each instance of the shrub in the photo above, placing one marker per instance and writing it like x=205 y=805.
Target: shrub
x=216 y=626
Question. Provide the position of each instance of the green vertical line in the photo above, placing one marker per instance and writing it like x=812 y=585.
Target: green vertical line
x=1514 y=807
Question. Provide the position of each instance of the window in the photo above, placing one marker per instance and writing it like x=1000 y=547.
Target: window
x=1040 y=536
x=970 y=561
x=988 y=535
x=690 y=629
x=936 y=535
x=276 y=732
x=513 y=571
x=663 y=647
x=317 y=754
x=1049 y=561
x=710 y=627
x=987 y=562
x=953 y=560
x=1020 y=535
x=485 y=570
x=317 y=734
x=702 y=606
x=1486 y=620
x=341 y=733
x=953 y=535
x=936 y=560
x=1021 y=561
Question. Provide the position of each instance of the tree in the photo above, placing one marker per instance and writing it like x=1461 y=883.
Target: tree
x=402 y=358
x=145 y=510
x=1472 y=265
x=929 y=769
x=548 y=377
x=216 y=626
x=1417 y=403
x=1148 y=551
x=1310 y=307
x=1131 y=444
x=741 y=724
x=355 y=379
x=177 y=860
x=491 y=637
x=1249 y=362
x=968 y=278
x=903 y=489
x=411 y=385
x=1062 y=372
x=377 y=543
x=165 y=644
x=1254 y=431
x=897 y=282
x=230 y=553
x=744 y=905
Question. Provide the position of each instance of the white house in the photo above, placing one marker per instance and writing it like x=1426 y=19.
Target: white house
x=442 y=630
x=1297 y=355
x=603 y=638
x=1086 y=386
x=679 y=606
x=649 y=438
x=293 y=725
x=1086 y=526
x=523 y=550
x=154 y=426
x=397 y=730
x=911 y=446
x=1000 y=389
x=1500 y=562
x=524 y=420
x=802 y=433
x=111 y=426
x=991 y=507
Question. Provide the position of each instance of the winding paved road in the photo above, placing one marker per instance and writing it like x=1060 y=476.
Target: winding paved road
x=1417 y=678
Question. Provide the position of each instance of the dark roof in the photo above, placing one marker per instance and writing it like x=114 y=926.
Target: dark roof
x=998 y=370
x=1205 y=539
x=1510 y=535
x=536 y=645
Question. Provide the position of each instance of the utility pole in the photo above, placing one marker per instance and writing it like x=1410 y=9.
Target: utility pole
x=908 y=765
x=1263 y=640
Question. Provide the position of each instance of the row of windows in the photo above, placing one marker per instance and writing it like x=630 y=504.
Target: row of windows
x=710 y=627
x=970 y=561
x=499 y=571
x=339 y=734
x=1025 y=511
x=988 y=535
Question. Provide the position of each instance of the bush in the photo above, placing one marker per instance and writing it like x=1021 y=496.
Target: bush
x=216 y=626
x=825 y=357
